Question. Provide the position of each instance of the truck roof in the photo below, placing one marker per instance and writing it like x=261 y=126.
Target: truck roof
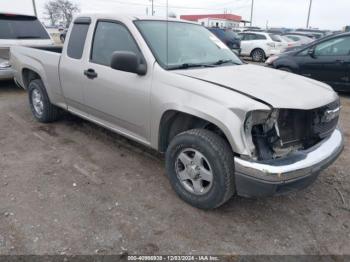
x=17 y=15
x=114 y=16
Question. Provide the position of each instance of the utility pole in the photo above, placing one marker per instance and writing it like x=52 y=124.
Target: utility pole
x=308 y=17
x=251 y=14
x=152 y=7
x=34 y=7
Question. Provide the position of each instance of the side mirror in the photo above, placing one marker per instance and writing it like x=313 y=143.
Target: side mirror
x=311 y=52
x=128 y=62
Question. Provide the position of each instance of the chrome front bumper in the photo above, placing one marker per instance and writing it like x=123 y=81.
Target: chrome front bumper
x=287 y=173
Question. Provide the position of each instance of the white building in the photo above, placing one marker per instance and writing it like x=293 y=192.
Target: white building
x=216 y=22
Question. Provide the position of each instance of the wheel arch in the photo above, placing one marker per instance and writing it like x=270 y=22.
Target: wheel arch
x=174 y=122
x=29 y=75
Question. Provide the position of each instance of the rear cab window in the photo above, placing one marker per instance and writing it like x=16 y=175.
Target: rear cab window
x=78 y=37
x=21 y=27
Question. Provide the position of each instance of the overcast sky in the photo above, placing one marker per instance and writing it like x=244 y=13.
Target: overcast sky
x=326 y=14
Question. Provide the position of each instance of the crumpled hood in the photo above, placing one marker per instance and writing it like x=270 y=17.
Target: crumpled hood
x=277 y=88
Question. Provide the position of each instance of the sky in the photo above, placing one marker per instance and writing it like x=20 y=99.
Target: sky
x=326 y=14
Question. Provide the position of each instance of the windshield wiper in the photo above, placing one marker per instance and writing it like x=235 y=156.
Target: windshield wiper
x=221 y=62
x=28 y=37
x=189 y=65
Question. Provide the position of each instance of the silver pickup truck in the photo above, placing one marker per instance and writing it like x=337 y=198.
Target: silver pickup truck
x=225 y=127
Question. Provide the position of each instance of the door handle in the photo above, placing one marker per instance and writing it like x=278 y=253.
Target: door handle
x=340 y=61
x=90 y=73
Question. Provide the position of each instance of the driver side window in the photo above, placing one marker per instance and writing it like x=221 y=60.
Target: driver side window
x=335 y=47
x=110 y=37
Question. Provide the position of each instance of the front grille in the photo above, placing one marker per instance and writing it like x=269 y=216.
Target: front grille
x=323 y=127
x=306 y=126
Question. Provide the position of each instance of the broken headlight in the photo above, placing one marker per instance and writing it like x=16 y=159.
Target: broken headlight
x=261 y=133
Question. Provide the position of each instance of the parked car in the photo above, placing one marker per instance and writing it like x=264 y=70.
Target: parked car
x=260 y=45
x=287 y=42
x=247 y=28
x=230 y=38
x=314 y=32
x=309 y=35
x=63 y=35
x=300 y=39
x=225 y=127
x=19 y=30
x=278 y=31
x=326 y=60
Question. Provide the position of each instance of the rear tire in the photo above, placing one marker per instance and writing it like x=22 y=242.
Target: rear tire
x=258 y=55
x=200 y=167
x=40 y=104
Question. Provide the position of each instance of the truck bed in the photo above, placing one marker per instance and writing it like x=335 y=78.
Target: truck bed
x=55 y=49
x=44 y=61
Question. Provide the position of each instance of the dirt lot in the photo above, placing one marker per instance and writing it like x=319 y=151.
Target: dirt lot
x=74 y=188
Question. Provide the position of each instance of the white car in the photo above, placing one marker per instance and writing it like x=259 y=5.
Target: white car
x=20 y=30
x=287 y=42
x=260 y=45
x=300 y=39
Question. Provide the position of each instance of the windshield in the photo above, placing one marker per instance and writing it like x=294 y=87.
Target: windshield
x=183 y=45
x=21 y=27
x=287 y=39
x=275 y=38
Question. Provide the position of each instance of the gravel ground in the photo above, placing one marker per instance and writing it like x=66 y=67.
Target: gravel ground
x=74 y=188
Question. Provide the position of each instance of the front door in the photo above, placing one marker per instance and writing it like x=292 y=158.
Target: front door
x=120 y=100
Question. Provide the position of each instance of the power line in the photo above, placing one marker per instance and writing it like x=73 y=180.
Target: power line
x=173 y=7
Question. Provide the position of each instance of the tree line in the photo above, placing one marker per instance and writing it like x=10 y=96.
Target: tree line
x=60 y=12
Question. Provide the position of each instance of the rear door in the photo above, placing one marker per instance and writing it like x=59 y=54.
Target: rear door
x=247 y=43
x=330 y=62
x=72 y=64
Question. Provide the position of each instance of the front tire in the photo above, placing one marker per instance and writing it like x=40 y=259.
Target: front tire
x=200 y=166
x=258 y=55
x=40 y=104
